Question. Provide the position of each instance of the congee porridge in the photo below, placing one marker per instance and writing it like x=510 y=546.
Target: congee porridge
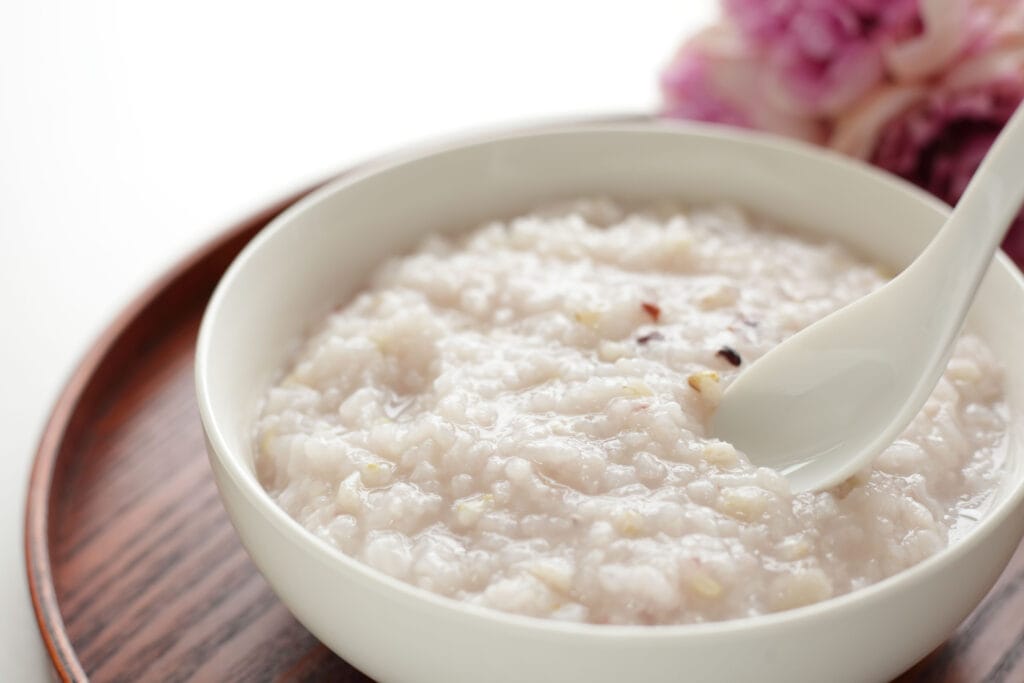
x=518 y=418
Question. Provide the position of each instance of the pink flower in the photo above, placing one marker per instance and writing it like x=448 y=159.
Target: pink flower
x=821 y=56
x=716 y=78
x=948 y=29
x=918 y=87
x=937 y=137
x=701 y=81
x=939 y=142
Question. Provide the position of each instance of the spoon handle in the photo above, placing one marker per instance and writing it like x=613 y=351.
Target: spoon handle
x=959 y=254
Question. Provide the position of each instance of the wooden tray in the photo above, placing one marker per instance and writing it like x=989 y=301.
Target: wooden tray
x=135 y=571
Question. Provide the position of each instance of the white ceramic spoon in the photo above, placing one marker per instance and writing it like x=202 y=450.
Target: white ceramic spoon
x=821 y=405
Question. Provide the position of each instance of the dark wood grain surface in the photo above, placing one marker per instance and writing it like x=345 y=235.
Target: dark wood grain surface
x=135 y=571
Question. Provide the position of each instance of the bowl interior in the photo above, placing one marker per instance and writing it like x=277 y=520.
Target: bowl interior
x=320 y=252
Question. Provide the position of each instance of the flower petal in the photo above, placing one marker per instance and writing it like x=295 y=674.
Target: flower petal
x=714 y=77
x=856 y=131
x=942 y=39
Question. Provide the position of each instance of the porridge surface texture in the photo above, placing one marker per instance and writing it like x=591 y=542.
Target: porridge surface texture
x=518 y=418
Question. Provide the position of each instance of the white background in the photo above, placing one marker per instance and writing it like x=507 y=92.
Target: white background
x=132 y=131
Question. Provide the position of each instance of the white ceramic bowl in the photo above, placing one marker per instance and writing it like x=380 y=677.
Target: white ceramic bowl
x=319 y=252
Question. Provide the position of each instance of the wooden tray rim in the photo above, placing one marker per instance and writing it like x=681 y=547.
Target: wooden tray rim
x=38 y=566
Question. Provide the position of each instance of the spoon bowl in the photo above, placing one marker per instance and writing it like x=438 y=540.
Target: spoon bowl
x=821 y=405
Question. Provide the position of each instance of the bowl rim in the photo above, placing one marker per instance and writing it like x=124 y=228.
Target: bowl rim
x=257 y=497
